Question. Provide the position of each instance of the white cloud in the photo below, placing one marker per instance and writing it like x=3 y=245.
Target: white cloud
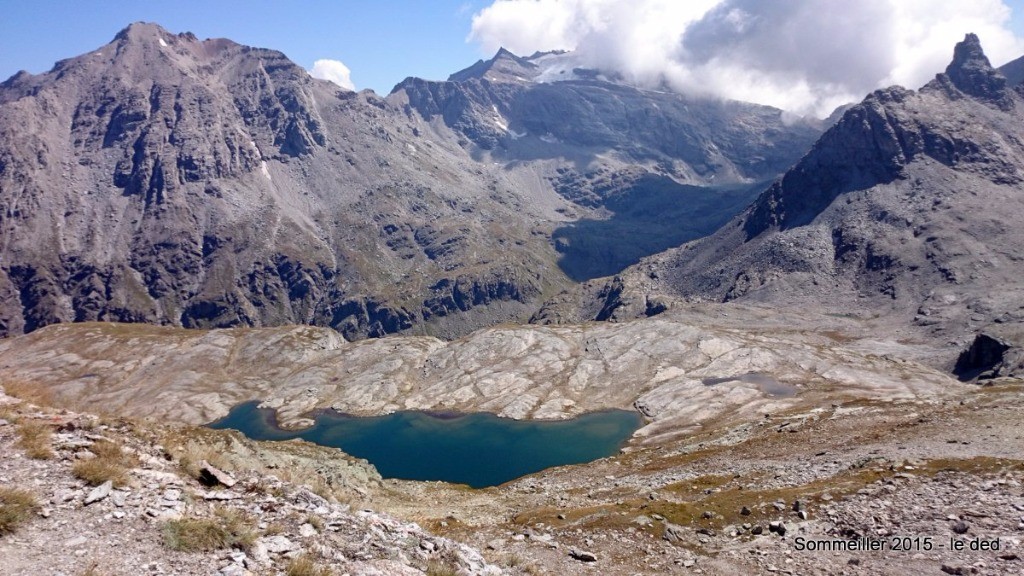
x=333 y=70
x=806 y=56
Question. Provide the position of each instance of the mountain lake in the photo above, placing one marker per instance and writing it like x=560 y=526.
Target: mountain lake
x=477 y=449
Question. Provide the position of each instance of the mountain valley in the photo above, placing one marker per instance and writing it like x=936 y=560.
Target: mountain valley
x=819 y=321
x=207 y=184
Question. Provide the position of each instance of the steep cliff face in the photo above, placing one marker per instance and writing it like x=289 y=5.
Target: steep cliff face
x=169 y=180
x=905 y=206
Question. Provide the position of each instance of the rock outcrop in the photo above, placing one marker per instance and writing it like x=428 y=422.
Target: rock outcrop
x=997 y=352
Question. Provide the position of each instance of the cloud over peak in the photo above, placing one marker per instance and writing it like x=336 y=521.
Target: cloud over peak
x=334 y=71
x=806 y=56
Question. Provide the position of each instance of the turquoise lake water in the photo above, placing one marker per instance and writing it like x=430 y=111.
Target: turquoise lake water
x=475 y=449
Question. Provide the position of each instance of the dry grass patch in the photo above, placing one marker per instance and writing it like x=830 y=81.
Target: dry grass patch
x=16 y=507
x=441 y=568
x=264 y=486
x=316 y=522
x=35 y=438
x=274 y=529
x=305 y=566
x=226 y=529
x=514 y=561
x=191 y=457
x=111 y=463
x=190 y=445
x=30 y=392
x=311 y=479
x=10 y=413
x=978 y=465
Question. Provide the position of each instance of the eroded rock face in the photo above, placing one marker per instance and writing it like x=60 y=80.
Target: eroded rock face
x=168 y=180
x=982 y=357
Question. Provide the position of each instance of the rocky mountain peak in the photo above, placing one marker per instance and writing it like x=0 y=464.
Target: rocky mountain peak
x=971 y=72
x=504 y=53
x=504 y=67
x=137 y=31
x=156 y=46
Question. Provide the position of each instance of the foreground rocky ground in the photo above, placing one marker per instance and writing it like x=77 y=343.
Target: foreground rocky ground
x=729 y=498
x=106 y=498
x=707 y=504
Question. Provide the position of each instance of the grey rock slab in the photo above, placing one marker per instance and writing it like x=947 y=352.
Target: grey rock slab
x=221 y=495
x=259 y=556
x=234 y=570
x=277 y=544
x=99 y=493
x=662 y=360
x=211 y=475
x=63 y=495
x=582 y=555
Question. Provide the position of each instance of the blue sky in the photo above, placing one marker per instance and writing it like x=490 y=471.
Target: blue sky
x=868 y=43
x=381 y=42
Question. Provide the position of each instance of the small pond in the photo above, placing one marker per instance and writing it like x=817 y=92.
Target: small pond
x=476 y=449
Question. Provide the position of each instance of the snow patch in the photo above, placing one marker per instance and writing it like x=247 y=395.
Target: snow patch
x=162 y=43
x=556 y=67
x=549 y=138
x=263 y=168
x=556 y=74
x=515 y=135
x=499 y=120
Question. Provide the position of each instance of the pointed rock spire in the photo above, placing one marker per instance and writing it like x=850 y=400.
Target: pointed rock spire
x=971 y=73
x=502 y=51
x=504 y=66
